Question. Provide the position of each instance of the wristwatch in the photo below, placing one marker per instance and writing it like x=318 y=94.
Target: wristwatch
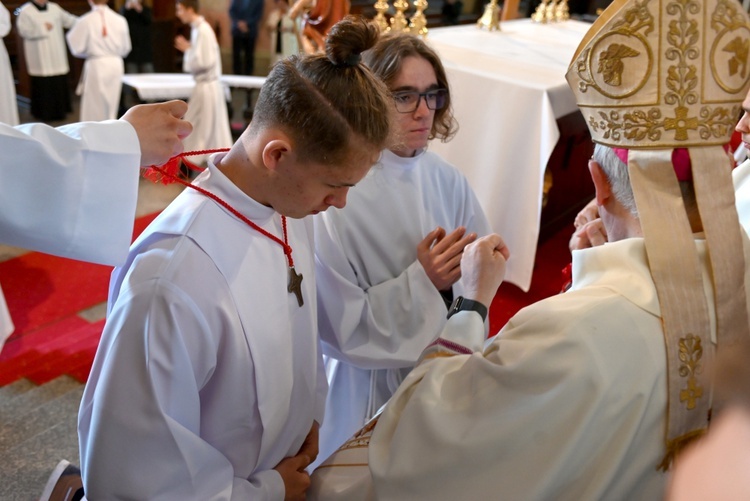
x=463 y=304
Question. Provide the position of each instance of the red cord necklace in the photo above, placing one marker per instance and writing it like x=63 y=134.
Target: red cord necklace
x=167 y=174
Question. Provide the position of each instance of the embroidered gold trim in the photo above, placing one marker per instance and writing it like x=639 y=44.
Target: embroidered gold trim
x=628 y=42
x=727 y=20
x=691 y=352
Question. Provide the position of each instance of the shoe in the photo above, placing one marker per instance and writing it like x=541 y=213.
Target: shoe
x=64 y=483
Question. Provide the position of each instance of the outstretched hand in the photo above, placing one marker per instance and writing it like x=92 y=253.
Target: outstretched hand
x=440 y=255
x=160 y=129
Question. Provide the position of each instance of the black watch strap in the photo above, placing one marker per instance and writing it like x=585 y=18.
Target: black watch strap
x=463 y=304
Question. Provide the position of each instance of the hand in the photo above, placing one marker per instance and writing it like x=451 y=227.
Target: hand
x=49 y=26
x=242 y=26
x=590 y=234
x=483 y=268
x=181 y=43
x=587 y=214
x=440 y=255
x=310 y=445
x=160 y=129
x=296 y=479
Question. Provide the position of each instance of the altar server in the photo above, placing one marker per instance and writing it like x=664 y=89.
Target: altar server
x=591 y=394
x=209 y=364
x=8 y=106
x=101 y=37
x=40 y=23
x=388 y=264
x=208 y=100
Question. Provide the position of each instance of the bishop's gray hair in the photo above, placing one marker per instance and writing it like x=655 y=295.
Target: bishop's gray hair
x=617 y=174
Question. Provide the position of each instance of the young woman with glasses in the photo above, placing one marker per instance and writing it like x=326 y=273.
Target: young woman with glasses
x=388 y=263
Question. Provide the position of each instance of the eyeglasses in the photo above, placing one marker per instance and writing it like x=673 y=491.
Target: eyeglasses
x=408 y=101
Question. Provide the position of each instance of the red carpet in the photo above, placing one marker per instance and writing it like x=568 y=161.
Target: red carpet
x=44 y=294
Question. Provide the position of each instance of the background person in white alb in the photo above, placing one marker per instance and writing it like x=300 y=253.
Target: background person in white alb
x=40 y=23
x=100 y=37
x=8 y=105
x=208 y=100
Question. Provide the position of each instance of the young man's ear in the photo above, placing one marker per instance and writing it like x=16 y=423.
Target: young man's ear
x=275 y=152
x=601 y=183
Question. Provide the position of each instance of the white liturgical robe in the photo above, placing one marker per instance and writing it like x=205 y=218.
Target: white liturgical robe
x=207 y=106
x=8 y=105
x=378 y=308
x=572 y=391
x=567 y=402
x=44 y=49
x=100 y=36
x=208 y=373
x=70 y=191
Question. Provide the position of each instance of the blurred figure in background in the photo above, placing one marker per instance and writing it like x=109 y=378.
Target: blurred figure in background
x=8 y=106
x=40 y=23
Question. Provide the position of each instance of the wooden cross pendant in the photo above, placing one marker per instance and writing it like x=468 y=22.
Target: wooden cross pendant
x=295 y=285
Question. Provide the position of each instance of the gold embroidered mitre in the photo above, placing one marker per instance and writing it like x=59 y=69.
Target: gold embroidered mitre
x=651 y=76
x=663 y=73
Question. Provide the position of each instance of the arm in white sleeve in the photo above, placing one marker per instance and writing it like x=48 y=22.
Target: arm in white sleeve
x=4 y=21
x=77 y=38
x=385 y=326
x=70 y=191
x=201 y=56
x=68 y=19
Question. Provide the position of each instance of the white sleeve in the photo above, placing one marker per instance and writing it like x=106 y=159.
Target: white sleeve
x=77 y=38
x=201 y=56
x=70 y=191
x=68 y=20
x=125 y=43
x=4 y=21
x=30 y=28
x=140 y=418
x=385 y=326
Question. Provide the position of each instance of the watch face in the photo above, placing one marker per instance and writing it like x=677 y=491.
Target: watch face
x=462 y=304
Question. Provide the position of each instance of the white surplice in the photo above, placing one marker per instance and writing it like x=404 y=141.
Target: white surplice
x=70 y=191
x=207 y=106
x=378 y=308
x=8 y=105
x=102 y=37
x=45 y=50
x=208 y=373
x=567 y=402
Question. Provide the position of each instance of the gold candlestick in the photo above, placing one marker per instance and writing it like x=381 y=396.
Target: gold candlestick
x=549 y=11
x=491 y=17
x=540 y=14
x=562 y=12
x=398 y=21
x=418 y=23
x=381 y=7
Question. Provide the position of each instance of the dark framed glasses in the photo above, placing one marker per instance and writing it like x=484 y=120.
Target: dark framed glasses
x=407 y=101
